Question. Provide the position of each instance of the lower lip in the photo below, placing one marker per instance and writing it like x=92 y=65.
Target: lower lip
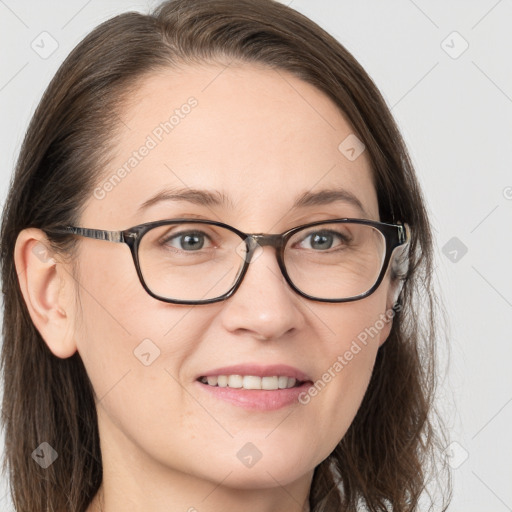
x=257 y=399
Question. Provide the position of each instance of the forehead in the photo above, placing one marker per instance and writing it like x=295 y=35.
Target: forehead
x=260 y=137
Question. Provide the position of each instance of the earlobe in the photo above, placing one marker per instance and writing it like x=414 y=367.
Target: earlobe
x=45 y=286
x=394 y=288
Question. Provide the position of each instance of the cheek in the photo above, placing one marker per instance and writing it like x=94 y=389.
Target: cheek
x=121 y=330
x=347 y=363
x=133 y=348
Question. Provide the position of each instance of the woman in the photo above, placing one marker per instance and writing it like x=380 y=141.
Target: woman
x=157 y=357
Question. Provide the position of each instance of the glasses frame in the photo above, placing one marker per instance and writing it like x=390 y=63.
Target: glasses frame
x=395 y=235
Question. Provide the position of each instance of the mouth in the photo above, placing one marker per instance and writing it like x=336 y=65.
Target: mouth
x=256 y=387
x=267 y=383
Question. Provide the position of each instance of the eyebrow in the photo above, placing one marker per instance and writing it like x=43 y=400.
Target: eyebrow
x=217 y=198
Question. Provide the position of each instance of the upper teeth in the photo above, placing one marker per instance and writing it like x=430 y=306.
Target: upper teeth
x=250 y=381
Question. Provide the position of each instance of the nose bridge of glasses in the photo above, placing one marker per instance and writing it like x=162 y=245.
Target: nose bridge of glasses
x=262 y=239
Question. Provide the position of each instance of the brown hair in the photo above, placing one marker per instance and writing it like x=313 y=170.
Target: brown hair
x=388 y=455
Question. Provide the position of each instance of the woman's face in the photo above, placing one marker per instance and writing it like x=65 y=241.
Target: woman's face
x=261 y=139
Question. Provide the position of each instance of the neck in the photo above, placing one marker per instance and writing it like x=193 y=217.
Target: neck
x=135 y=482
x=200 y=498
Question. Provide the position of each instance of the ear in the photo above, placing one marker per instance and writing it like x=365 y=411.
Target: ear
x=46 y=287
x=397 y=271
x=394 y=289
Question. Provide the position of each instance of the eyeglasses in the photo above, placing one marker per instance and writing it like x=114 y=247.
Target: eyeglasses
x=194 y=261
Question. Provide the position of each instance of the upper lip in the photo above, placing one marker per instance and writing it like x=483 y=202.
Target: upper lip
x=259 y=371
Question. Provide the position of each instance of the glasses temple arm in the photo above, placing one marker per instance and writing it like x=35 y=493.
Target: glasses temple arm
x=97 y=234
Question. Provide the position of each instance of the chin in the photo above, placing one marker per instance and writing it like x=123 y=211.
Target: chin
x=263 y=476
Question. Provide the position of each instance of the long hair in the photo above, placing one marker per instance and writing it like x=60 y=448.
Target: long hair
x=390 y=453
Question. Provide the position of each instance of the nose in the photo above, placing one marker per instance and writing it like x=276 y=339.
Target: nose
x=264 y=305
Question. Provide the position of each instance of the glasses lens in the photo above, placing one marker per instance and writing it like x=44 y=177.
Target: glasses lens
x=190 y=261
x=335 y=260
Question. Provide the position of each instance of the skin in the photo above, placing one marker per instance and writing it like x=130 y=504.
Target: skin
x=262 y=137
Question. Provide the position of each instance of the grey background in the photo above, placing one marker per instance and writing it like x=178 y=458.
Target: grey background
x=454 y=108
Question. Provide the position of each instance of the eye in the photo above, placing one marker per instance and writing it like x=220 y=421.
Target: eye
x=189 y=241
x=324 y=239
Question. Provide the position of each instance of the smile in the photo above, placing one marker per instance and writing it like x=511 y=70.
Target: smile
x=251 y=382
